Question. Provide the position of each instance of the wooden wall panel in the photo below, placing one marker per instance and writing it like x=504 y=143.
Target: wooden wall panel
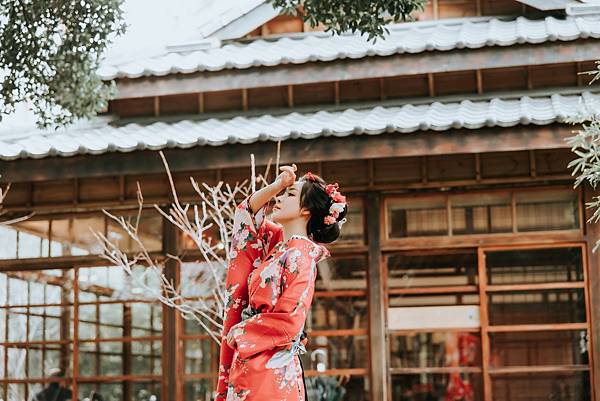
x=234 y=175
x=99 y=189
x=360 y=89
x=398 y=173
x=49 y=192
x=18 y=195
x=513 y=164
x=455 y=82
x=414 y=86
x=347 y=173
x=503 y=79
x=133 y=107
x=184 y=185
x=457 y=8
x=553 y=75
x=223 y=100
x=370 y=89
x=302 y=169
x=427 y=13
x=585 y=79
x=178 y=104
x=320 y=93
x=449 y=168
x=552 y=162
x=152 y=186
x=397 y=170
x=499 y=7
x=268 y=97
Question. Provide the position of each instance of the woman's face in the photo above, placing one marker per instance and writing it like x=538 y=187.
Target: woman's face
x=287 y=205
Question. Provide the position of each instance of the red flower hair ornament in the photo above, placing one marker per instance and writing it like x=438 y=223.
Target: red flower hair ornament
x=338 y=201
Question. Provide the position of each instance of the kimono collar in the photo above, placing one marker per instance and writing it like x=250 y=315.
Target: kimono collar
x=323 y=252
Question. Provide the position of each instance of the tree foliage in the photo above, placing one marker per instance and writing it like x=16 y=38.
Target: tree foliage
x=364 y=16
x=49 y=53
x=586 y=146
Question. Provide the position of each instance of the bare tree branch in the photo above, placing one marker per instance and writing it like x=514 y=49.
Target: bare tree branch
x=215 y=209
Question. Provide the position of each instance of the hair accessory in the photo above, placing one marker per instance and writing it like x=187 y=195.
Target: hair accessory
x=338 y=204
x=311 y=177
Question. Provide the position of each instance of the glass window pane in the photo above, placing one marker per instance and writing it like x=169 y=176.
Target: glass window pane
x=349 y=273
x=440 y=349
x=8 y=242
x=47 y=392
x=539 y=348
x=119 y=391
x=416 y=217
x=353 y=229
x=481 y=213
x=201 y=355
x=338 y=312
x=433 y=300
x=335 y=352
x=415 y=270
x=346 y=388
x=547 y=210
x=542 y=386
x=537 y=307
x=74 y=236
x=146 y=357
x=149 y=230
x=528 y=266
x=198 y=389
x=439 y=387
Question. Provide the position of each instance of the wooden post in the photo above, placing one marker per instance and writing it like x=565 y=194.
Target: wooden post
x=170 y=389
x=593 y=234
x=377 y=338
x=127 y=352
x=485 y=322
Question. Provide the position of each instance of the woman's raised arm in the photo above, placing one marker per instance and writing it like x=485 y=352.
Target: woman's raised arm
x=283 y=180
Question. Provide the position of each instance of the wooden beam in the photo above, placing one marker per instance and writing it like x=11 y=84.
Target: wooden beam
x=377 y=339
x=364 y=68
x=294 y=150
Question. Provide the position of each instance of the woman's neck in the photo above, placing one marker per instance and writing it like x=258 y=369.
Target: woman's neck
x=297 y=227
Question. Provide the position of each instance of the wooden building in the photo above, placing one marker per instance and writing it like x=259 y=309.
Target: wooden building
x=466 y=264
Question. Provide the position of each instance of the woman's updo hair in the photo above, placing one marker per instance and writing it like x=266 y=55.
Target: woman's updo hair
x=315 y=198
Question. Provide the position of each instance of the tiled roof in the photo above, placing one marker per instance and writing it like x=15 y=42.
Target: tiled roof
x=442 y=35
x=408 y=118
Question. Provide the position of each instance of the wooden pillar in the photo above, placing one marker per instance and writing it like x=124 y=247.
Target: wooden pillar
x=593 y=235
x=127 y=352
x=170 y=389
x=377 y=336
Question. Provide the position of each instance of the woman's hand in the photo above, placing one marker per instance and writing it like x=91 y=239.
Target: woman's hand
x=287 y=176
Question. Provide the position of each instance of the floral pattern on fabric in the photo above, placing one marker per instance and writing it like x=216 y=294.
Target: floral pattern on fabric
x=253 y=237
x=264 y=364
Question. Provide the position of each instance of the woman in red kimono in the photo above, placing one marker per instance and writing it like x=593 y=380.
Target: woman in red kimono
x=270 y=285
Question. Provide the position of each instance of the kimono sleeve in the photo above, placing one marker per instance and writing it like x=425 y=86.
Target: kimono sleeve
x=253 y=237
x=284 y=324
x=253 y=231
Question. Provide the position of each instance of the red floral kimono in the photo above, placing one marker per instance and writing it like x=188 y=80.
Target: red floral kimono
x=269 y=290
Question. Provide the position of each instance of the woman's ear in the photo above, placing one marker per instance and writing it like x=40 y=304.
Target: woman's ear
x=304 y=212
